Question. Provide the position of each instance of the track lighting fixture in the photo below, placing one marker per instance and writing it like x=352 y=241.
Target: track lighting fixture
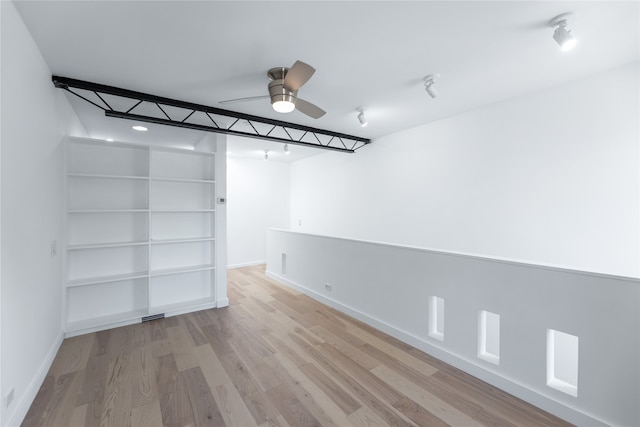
x=286 y=149
x=266 y=155
x=361 y=118
x=428 y=85
x=562 y=35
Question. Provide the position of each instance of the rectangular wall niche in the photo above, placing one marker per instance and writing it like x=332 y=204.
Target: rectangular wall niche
x=436 y=318
x=489 y=336
x=283 y=265
x=562 y=362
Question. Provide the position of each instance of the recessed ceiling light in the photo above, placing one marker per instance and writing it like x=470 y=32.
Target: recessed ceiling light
x=140 y=128
x=109 y=140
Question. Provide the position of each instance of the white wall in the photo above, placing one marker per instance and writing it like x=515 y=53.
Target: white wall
x=389 y=288
x=258 y=198
x=550 y=178
x=35 y=116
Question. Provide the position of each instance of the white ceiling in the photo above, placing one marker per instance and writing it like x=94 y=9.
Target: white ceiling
x=372 y=55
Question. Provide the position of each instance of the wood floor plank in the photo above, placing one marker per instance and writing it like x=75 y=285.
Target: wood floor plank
x=232 y=407
x=147 y=415
x=212 y=369
x=78 y=416
x=172 y=392
x=143 y=384
x=357 y=389
x=354 y=353
x=286 y=346
x=421 y=396
x=376 y=345
x=60 y=403
x=116 y=407
x=290 y=312
x=273 y=358
x=191 y=325
x=279 y=421
x=418 y=414
x=205 y=409
x=260 y=407
x=256 y=364
x=73 y=356
x=364 y=417
x=291 y=408
x=339 y=396
x=321 y=407
x=494 y=401
x=419 y=376
x=360 y=374
x=182 y=347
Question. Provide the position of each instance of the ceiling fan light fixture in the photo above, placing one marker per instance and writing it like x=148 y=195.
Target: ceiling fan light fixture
x=283 y=106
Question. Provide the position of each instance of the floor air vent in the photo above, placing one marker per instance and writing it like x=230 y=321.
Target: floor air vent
x=154 y=317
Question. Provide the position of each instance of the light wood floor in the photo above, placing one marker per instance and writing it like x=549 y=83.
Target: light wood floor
x=274 y=357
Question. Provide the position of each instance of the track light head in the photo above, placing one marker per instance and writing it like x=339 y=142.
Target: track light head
x=562 y=35
x=361 y=118
x=428 y=84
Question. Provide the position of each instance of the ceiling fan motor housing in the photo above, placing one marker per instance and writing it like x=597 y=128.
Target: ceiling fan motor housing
x=277 y=91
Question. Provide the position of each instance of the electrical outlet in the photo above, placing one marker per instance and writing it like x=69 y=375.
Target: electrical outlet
x=327 y=287
x=54 y=248
x=8 y=398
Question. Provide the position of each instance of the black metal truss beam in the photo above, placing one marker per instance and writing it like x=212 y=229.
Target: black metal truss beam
x=259 y=127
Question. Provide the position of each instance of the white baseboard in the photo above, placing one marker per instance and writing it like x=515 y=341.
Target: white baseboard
x=24 y=403
x=246 y=264
x=519 y=390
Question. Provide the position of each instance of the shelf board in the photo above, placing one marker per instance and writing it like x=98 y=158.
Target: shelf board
x=73 y=211
x=186 y=151
x=90 y=175
x=106 y=279
x=107 y=245
x=182 y=305
x=198 y=181
x=105 y=320
x=178 y=270
x=187 y=240
x=113 y=144
x=181 y=210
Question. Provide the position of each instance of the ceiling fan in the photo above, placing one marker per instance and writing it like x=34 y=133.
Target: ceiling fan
x=283 y=90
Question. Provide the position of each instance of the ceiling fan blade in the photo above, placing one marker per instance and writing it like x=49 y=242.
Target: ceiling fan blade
x=298 y=74
x=309 y=109
x=250 y=98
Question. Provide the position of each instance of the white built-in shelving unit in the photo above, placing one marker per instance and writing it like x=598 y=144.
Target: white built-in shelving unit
x=140 y=233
